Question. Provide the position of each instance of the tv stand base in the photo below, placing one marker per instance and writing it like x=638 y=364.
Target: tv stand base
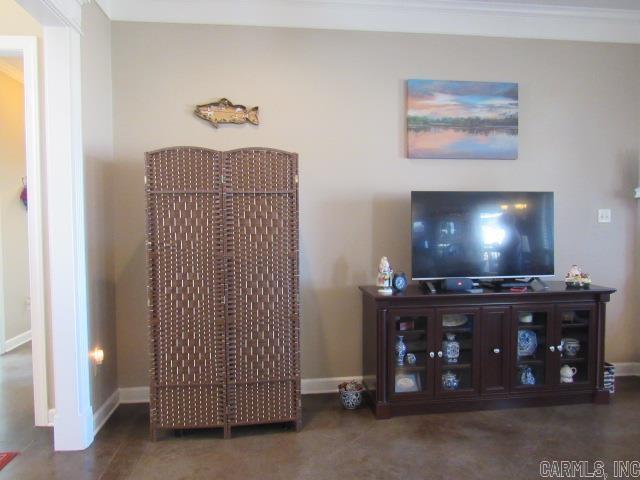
x=429 y=286
x=514 y=283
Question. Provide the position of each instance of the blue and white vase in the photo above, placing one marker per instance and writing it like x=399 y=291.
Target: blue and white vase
x=527 y=342
x=401 y=350
x=526 y=376
x=450 y=381
x=451 y=348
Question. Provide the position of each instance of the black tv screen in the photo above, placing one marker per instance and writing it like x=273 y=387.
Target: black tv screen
x=481 y=234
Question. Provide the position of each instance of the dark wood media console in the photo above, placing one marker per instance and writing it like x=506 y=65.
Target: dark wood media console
x=484 y=365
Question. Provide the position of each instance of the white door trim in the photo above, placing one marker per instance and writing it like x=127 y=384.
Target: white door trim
x=61 y=21
x=73 y=420
x=27 y=46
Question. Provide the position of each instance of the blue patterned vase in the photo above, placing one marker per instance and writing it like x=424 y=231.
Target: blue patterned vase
x=526 y=376
x=450 y=381
x=401 y=350
x=527 y=342
x=451 y=348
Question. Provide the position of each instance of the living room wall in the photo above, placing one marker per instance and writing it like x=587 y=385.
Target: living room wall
x=337 y=98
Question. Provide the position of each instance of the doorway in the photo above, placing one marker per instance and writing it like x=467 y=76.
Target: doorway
x=22 y=315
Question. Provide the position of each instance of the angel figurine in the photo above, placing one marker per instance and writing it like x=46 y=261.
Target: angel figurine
x=385 y=272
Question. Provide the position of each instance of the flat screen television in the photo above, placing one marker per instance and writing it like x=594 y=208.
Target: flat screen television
x=481 y=235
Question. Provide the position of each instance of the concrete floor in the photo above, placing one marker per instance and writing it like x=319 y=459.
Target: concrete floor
x=506 y=444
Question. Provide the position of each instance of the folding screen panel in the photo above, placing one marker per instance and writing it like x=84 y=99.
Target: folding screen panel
x=223 y=287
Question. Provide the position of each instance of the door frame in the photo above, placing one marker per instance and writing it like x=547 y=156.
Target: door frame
x=61 y=20
x=27 y=47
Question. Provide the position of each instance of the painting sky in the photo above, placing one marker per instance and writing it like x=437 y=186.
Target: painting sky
x=457 y=99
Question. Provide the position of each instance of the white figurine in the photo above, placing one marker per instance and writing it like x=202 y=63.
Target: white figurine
x=385 y=272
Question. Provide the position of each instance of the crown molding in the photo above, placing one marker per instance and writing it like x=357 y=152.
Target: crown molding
x=54 y=13
x=105 y=5
x=11 y=71
x=458 y=17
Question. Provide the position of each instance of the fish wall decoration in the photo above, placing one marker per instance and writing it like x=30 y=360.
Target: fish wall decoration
x=223 y=111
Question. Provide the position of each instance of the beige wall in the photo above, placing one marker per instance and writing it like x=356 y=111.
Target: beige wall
x=97 y=130
x=337 y=98
x=14 y=266
x=14 y=20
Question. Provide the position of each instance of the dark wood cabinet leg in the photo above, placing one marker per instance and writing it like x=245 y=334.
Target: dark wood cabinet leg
x=601 y=397
x=382 y=411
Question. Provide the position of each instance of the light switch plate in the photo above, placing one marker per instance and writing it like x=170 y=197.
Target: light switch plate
x=604 y=215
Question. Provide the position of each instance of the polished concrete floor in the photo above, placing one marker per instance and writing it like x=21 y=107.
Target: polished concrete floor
x=505 y=444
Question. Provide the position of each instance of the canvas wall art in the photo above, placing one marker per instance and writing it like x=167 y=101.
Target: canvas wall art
x=462 y=120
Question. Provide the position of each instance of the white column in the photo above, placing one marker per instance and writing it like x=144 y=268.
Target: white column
x=73 y=420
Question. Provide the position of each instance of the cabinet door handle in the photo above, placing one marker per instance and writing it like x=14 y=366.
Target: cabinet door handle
x=559 y=347
x=440 y=354
x=431 y=354
x=496 y=350
x=552 y=348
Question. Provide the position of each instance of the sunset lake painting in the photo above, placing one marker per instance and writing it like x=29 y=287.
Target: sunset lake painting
x=462 y=120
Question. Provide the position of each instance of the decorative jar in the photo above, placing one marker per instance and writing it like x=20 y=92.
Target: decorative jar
x=401 y=350
x=527 y=342
x=450 y=380
x=526 y=376
x=451 y=348
x=350 y=394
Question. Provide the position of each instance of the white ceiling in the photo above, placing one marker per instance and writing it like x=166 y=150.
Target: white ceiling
x=587 y=20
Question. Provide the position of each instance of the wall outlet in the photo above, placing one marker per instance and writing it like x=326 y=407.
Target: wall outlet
x=604 y=215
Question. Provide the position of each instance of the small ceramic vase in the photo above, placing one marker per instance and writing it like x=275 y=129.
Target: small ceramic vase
x=570 y=346
x=411 y=359
x=350 y=399
x=527 y=342
x=567 y=373
x=526 y=376
x=451 y=348
x=450 y=381
x=401 y=350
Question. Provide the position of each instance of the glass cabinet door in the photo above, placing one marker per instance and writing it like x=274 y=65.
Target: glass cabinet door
x=532 y=347
x=457 y=354
x=575 y=337
x=409 y=362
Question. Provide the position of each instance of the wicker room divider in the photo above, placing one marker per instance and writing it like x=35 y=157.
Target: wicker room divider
x=222 y=244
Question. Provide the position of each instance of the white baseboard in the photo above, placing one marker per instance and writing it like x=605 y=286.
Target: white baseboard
x=318 y=385
x=101 y=415
x=309 y=386
x=16 y=341
x=324 y=385
x=630 y=369
x=134 y=394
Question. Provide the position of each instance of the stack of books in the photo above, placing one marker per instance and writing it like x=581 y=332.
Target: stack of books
x=609 y=377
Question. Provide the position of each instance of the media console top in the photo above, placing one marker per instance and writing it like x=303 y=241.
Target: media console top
x=416 y=292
